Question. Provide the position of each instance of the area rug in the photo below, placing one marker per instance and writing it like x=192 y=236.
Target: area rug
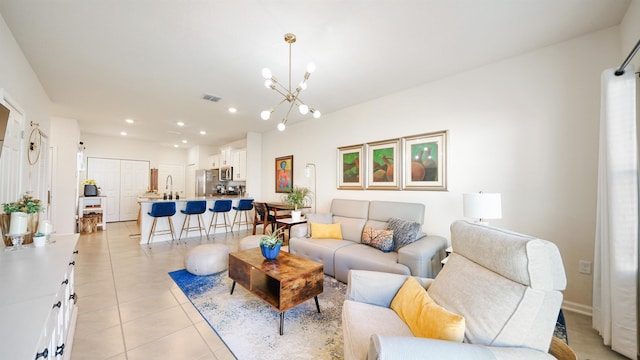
x=250 y=328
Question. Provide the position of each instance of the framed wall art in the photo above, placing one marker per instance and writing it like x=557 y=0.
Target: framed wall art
x=425 y=161
x=284 y=174
x=383 y=170
x=350 y=167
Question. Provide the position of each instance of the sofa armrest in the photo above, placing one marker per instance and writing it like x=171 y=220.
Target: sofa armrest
x=376 y=288
x=423 y=256
x=401 y=348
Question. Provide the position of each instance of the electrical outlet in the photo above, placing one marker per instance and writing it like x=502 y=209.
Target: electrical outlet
x=584 y=267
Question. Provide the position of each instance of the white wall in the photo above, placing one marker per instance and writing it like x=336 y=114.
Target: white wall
x=526 y=127
x=65 y=136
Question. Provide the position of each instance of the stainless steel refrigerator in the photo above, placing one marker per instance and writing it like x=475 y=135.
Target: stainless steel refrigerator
x=206 y=182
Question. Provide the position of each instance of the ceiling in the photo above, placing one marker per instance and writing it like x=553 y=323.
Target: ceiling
x=102 y=62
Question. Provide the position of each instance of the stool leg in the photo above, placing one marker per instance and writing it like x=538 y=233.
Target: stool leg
x=234 y=220
x=201 y=227
x=153 y=228
x=226 y=219
x=214 y=220
x=171 y=228
x=181 y=230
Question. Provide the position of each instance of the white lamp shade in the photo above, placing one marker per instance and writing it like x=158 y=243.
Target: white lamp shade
x=482 y=205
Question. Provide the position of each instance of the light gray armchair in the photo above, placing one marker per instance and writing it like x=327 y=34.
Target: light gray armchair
x=506 y=285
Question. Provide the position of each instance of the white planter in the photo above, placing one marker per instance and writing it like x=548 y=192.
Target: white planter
x=295 y=215
x=39 y=241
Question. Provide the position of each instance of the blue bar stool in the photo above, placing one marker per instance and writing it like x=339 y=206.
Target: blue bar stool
x=198 y=208
x=244 y=206
x=220 y=206
x=159 y=210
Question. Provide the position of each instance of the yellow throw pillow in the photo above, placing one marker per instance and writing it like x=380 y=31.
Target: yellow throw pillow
x=326 y=231
x=424 y=317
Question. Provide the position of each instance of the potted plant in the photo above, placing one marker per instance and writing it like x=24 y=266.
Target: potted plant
x=27 y=204
x=296 y=199
x=270 y=244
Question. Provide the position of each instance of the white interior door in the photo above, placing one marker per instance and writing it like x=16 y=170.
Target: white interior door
x=134 y=181
x=12 y=153
x=106 y=173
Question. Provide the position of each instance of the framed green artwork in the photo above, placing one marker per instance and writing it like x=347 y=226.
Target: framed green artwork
x=425 y=161
x=284 y=174
x=383 y=159
x=350 y=165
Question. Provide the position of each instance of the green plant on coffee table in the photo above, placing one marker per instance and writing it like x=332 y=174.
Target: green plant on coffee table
x=273 y=239
x=298 y=197
x=27 y=205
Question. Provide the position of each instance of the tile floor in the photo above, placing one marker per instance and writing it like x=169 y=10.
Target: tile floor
x=129 y=308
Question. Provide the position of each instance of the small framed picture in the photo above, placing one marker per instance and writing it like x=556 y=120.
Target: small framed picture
x=425 y=161
x=284 y=174
x=383 y=170
x=350 y=167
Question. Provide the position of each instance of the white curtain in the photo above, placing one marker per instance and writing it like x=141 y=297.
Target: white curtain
x=615 y=262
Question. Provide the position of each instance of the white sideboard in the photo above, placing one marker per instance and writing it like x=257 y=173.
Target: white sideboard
x=37 y=300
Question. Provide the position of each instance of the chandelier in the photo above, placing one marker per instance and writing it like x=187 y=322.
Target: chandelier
x=291 y=96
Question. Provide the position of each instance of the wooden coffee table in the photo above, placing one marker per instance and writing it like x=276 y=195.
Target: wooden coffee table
x=283 y=283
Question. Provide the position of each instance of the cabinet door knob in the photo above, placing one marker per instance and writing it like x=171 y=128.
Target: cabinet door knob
x=72 y=263
x=75 y=251
x=59 y=350
x=65 y=282
x=44 y=354
x=57 y=305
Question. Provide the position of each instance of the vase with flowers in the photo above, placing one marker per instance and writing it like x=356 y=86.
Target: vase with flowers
x=27 y=205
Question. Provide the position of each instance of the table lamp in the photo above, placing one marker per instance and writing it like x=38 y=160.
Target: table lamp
x=482 y=206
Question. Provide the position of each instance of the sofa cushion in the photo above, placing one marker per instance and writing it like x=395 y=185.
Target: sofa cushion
x=404 y=232
x=378 y=238
x=326 y=231
x=364 y=257
x=385 y=210
x=320 y=250
x=352 y=214
x=360 y=321
x=424 y=317
x=318 y=218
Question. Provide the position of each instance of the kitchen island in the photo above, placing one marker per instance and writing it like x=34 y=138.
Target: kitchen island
x=146 y=220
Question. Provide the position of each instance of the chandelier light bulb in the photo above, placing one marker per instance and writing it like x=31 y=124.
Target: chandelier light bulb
x=303 y=85
x=317 y=114
x=311 y=67
x=304 y=109
x=267 y=83
x=265 y=115
x=281 y=126
x=266 y=73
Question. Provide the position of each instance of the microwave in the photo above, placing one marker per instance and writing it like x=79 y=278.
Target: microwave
x=226 y=173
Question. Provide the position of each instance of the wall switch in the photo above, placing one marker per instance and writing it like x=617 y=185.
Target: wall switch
x=584 y=267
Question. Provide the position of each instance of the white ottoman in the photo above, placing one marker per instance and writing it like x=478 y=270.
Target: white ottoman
x=207 y=259
x=249 y=242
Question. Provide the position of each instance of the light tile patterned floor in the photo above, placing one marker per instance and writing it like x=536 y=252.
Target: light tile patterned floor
x=129 y=308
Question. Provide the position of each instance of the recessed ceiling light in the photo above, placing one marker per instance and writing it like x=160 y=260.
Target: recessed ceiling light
x=202 y=132
x=129 y=121
x=233 y=110
x=180 y=123
x=175 y=145
x=123 y=133
x=184 y=141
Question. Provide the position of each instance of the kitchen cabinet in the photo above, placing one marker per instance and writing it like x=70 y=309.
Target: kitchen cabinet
x=214 y=160
x=225 y=157
x=239 y=163
x=37 y=300
x=93 y=204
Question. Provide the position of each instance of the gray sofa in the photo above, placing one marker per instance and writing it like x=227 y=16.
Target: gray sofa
x=506 y=285
x=420 y=258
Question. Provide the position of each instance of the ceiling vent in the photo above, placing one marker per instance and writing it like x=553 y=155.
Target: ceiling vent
x=211 y=97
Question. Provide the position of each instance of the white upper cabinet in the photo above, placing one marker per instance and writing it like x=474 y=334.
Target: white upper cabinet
x=239 y=163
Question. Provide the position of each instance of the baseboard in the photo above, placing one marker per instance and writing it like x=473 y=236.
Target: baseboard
x=577 y=308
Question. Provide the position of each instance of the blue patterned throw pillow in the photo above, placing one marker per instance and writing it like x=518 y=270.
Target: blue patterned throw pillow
x=378 y=238
x=404 y=232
